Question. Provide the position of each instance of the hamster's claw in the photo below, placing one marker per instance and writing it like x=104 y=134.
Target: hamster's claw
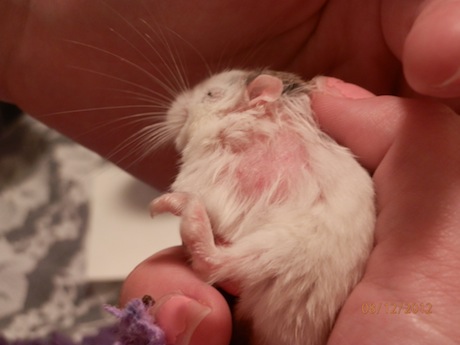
x=195 y=228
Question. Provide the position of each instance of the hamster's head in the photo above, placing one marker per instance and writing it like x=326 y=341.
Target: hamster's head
x=210 y=100
x=235 y=90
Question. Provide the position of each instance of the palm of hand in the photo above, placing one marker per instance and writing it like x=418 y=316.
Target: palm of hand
x=413 y=152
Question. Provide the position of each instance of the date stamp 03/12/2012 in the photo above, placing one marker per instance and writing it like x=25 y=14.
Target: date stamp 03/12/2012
x=396 y=308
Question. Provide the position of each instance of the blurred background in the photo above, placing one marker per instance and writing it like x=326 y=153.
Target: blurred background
x=72 y=226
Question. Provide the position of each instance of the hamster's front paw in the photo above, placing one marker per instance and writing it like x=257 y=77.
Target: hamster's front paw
x=195 y=229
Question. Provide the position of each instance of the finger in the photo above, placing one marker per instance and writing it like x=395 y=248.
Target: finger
x=431 y=58
x=357 y=119
x=190 y=311
x=364 y=123
x=425 y=36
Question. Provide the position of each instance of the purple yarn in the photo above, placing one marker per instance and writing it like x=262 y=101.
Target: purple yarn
x=136 y=325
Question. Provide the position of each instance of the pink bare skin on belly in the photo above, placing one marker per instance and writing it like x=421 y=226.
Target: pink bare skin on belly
x=261 y=166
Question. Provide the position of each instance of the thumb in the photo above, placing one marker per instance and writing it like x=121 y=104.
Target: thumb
x=431 y=55
x=189 y=311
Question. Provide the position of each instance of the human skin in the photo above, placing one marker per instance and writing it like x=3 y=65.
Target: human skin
x=412 y=148
x=388 y=47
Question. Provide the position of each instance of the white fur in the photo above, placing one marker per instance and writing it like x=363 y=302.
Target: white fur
x=295 y=255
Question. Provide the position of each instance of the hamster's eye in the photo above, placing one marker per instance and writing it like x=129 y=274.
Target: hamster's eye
x=214 y=94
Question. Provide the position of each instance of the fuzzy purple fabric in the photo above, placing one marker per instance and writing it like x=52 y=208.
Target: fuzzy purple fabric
x=135 y=327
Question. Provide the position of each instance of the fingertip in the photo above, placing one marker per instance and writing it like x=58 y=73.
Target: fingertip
x=431 y=54
x=180 y=318
x=339 y=88
x=190 y=311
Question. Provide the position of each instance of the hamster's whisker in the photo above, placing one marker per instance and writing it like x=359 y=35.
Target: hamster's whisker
x=147 y=39
x=127 y=82
x=178 y=80
x=143 y=142
x=165 y=80
x=137 y=118
x=155 y=135
x=144 y=97
x=137 y=67
x=130 y=144
x=133 y=119
x=158 y=105
x=195 y=50
x=113 y=107
x=177 y=69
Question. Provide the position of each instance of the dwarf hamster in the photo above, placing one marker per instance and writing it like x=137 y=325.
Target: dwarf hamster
x=272 y=208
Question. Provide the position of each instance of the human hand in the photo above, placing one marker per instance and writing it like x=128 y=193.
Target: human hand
x=412 y=149
x=72 y=58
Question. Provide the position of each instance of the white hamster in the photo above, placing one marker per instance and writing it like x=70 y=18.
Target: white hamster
x=272 y=208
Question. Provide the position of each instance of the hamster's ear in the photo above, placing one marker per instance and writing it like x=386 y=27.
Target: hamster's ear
x=264 y=88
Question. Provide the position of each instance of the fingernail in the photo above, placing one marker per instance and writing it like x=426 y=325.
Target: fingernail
x=339 y=88
x=179 y=316
x=454 y=78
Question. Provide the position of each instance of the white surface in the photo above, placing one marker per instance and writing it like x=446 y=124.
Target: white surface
x=121 y=232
